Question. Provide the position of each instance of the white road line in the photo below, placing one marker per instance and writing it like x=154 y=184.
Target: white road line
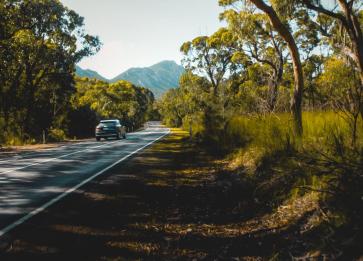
x=23 y=155
x=28 y=155
x=48 y=160
x=59 y=197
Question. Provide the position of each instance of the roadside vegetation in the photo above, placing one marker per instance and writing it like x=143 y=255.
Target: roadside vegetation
x=40 y=43
x=120 y=100
x=278 y=94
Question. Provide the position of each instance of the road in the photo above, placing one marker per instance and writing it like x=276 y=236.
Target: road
x=31 y=182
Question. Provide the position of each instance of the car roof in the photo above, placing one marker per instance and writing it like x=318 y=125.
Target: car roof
x=109 y=120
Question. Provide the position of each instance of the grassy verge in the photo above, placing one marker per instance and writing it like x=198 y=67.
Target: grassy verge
x=325 y=165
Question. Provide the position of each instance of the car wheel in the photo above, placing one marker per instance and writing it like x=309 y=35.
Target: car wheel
x=98 y=138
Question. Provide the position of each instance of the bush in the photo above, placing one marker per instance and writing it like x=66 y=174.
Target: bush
x=56 y=135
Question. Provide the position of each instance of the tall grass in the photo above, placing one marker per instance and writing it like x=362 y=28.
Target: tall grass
x=323 y=159
x=280 y=167
x=325 y=131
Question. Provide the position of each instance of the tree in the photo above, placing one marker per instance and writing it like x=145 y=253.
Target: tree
x=170 y=108
x=343 y=91
x=210 y=56
x=121 y=100
x=283 y=30
x=259 y=41
x=313 y=68
x=349 y=18
x=40 y=43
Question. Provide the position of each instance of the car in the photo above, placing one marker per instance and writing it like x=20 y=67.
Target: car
x=110 y=129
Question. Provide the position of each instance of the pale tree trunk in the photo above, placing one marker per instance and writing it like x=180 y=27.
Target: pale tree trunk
x=351 y=24
x=353 y=27
x=296 y=101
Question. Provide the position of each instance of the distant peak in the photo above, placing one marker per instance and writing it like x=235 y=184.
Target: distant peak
x=158 y=77
x=167 y=61
x=89 y=73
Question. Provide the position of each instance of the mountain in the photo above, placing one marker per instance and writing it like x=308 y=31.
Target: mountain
x=158 y=78
x=89 y=74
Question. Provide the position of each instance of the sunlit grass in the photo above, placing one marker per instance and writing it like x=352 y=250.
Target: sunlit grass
x=274 y=132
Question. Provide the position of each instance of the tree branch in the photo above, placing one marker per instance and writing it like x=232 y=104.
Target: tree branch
x=321 y=9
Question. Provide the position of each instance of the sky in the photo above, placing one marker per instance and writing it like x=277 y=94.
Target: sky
x=140 y=33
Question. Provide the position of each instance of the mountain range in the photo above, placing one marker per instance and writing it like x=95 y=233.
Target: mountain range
x=158 y=78
x=89 y=74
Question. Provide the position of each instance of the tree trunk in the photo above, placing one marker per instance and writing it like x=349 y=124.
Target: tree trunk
x=296 y=101
x=352 y=25
x=272 y=94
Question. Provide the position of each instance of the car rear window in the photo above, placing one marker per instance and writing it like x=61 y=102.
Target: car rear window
x=108 y=123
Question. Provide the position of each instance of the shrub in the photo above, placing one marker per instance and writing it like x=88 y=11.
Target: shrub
x=56 y=135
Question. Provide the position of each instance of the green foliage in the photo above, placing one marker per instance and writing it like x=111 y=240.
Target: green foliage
x=270 y=132
x=342 y=89
x=121 y=100
x=56 y=135
x=211 y=56
x=274 y=132
x=40 y=43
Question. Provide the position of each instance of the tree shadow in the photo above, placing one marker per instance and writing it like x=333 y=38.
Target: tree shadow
x=164 y=204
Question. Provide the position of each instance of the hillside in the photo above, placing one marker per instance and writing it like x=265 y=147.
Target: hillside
x=89 y=74
x=158 y=78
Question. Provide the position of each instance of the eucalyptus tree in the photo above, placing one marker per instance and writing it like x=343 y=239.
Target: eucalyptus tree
x=347 y=14
x=261 y=43
x=121 y=100
x=210 y=56
x=171 y=107
x=280 y=25
x=340 y=85
x=40 y=43
x=313 y=68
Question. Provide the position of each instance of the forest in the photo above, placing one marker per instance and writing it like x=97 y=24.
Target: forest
x=40 y=43
x=278 y=92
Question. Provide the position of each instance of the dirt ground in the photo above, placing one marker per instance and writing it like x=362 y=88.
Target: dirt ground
x=166 y=203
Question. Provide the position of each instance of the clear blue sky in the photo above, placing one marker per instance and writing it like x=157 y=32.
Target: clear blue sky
x=139 y=33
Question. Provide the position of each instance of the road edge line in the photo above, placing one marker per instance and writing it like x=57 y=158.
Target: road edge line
x=69 y=191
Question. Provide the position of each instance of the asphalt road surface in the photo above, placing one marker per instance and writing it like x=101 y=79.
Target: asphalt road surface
x=31 y=182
